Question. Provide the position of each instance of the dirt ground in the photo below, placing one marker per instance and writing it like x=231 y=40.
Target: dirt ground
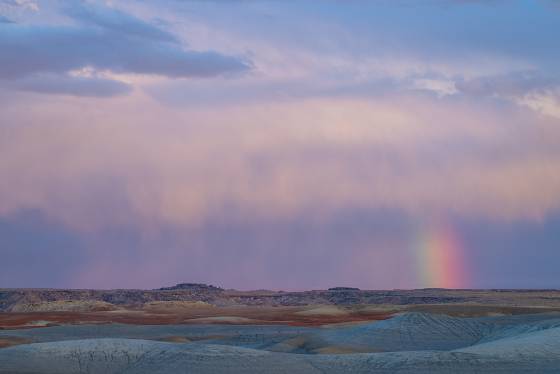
x=293 y=316
x=163 y=313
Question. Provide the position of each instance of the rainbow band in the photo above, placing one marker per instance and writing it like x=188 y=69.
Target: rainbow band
x=441 y=259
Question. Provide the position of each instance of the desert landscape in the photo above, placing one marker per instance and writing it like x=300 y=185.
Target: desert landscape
x=279 y=186
x=205 y=329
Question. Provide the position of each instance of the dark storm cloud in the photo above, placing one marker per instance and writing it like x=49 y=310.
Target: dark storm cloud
x=255 y=182
x=36 y=252
x=103 y=39
x=356 y=248
x=118 y=22
x=514 y=254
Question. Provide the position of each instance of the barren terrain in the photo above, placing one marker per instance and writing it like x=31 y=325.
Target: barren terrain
x=205 y=329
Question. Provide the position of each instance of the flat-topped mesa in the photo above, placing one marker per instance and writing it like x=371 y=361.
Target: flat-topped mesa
x=199 y=287
x=343 y=289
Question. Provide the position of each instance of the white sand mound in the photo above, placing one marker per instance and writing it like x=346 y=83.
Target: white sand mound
x=224 y=319
x=324 y=310
x=175 y=305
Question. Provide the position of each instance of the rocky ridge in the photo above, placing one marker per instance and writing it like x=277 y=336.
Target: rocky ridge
x=13 y=299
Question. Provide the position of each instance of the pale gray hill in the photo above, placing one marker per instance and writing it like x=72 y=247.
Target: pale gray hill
x=410 y=332
x=108 y=356
x=514 y=326
x=407 y=343
x=111 y=356
x=543 y=344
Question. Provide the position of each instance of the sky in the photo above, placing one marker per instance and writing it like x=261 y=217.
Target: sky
x=286 y=145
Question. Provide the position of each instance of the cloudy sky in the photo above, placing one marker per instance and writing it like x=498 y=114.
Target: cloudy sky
x=280 y=144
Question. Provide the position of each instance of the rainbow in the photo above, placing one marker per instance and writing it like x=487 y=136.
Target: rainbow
x=441 y=258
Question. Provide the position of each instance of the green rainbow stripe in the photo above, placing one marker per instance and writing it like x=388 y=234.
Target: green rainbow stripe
x=441 y=258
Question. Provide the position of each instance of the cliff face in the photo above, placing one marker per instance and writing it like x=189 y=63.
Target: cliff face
x=20 y=299
x=16 y=299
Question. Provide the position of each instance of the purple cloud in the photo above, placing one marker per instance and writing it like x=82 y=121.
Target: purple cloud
x=104 y=40
x=513 y=84
x=74 y=86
